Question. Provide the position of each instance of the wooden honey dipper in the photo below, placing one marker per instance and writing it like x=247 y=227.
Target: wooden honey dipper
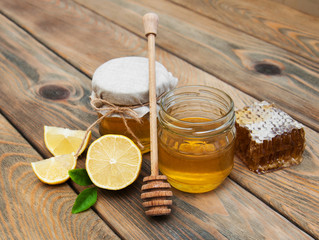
x=156 y=189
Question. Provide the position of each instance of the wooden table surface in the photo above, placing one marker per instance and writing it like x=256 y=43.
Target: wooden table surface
x=252 y=49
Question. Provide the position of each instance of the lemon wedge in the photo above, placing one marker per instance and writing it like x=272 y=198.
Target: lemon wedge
x=54 y=170
x=60 y=141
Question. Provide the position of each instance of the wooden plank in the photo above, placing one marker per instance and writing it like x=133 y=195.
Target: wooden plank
x=251 y=65
x=228 y=212
x=270 y=21
x=169 y=62
x=31 y=209
x=307 y=6
x=212 y=46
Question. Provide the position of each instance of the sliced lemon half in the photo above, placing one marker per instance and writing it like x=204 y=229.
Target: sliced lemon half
x=60 y=141
x=54 y=170
x=113 y=162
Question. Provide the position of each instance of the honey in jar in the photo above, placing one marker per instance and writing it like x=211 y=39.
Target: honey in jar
x=196 y=138
x=115 y=125
x=120 y=95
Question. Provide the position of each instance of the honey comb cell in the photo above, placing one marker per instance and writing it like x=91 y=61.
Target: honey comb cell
x=268 y=139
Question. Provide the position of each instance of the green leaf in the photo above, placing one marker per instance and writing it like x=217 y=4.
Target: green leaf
x=80 y=176
x=85 y=200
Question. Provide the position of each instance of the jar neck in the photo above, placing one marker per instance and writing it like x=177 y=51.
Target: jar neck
x=197 y=111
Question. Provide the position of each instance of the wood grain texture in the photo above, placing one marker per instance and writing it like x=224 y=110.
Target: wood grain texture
x=273 y=22
x=33 y=210
x=235 y=57
x=310 y=7
x=228 y=212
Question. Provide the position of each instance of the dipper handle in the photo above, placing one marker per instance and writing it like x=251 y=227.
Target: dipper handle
x=155 y=189
x=150 y=21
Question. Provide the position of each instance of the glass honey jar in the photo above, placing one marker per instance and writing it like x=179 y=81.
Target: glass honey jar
x=196 y=137
x=120 y=97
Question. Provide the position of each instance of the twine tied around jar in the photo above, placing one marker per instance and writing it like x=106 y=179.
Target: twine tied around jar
x=103 y=105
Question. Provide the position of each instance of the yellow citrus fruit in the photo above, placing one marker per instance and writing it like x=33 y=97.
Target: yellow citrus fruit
x=113 y=162
x=54 y=170
x=60 y=141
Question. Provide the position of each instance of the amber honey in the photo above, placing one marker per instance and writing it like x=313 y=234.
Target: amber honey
x=115 y=125
x=196 y=165
x=196 y=138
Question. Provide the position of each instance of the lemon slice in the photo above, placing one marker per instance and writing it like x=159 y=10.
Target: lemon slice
x=113 y=162
x=54 y=170
x=60 y=141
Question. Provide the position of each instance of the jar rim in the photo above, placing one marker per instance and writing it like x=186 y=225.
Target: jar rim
x=166 y=96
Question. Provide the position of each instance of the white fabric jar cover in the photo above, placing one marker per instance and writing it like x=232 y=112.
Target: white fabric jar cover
x=125 y=82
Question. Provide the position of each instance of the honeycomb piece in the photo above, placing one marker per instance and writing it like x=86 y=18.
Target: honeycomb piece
x=268 y=139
